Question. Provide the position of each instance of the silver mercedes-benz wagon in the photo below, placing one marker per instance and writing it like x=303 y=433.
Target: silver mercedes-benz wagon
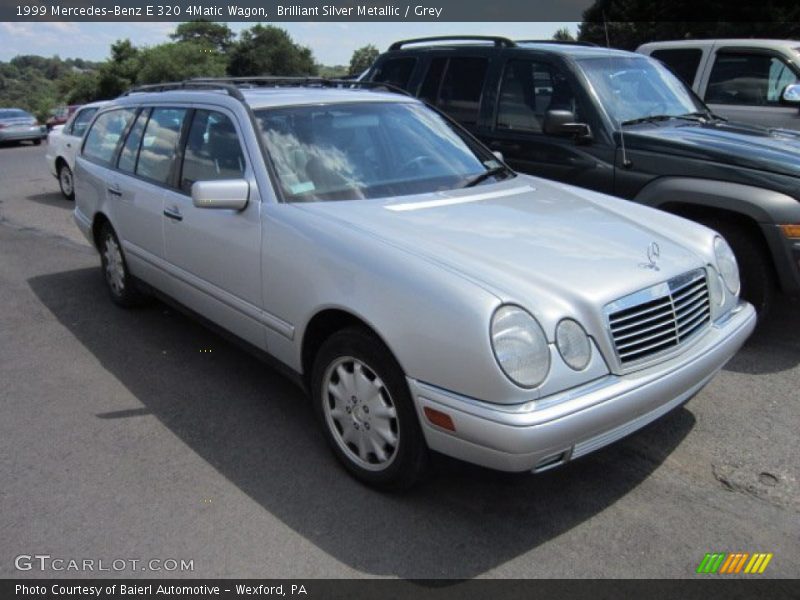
x=426 y=296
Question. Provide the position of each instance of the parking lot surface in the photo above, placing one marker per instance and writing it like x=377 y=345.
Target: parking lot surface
x=143 y=435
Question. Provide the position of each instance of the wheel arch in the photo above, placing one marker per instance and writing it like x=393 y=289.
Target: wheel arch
x=98 y=221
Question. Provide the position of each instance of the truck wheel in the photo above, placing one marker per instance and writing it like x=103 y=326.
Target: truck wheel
x=362 y=400
x=759 y=283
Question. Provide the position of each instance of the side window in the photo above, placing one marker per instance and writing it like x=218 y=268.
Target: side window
x=130 y=150
x=433 y=80
x=159 y=144
x=103 y=138
x=528 y=90
x=681 y=61
x=460 y=94
x=81 y=121
x=748 y=79
x=396 y=71
x=212 y=151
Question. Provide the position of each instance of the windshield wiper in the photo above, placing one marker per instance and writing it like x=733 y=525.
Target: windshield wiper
x=485 y=175
x=698 y=117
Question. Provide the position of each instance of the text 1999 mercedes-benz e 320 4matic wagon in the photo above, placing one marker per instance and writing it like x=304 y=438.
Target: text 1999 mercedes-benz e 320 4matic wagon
x=427 y=296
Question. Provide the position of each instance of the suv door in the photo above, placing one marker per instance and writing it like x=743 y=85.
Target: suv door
x=528 y=88
x=214 y=255
x=745 y=85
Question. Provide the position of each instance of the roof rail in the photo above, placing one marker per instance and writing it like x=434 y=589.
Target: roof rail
x=557 y=42
x=234 y=85
x=499 y=42
x=189 y=84
x=278 y=81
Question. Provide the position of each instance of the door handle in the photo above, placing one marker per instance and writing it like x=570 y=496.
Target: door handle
x=114 y=190
x=173 y=213
x=69 y=145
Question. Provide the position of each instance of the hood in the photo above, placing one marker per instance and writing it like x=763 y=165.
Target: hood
x=752 y=147
x=525 y=240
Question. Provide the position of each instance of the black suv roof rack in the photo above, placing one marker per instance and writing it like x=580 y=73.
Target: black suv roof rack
x=557 y=42
x=499 y=42
x=234 y=85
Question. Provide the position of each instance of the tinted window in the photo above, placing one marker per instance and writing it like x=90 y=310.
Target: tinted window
x=682 y=61
x=528 y=90
x=81 y=121
x=130 y=150
x=103 y=138
x=212 y=150
x=396 y=71
x=748 y=79
x=433 y=80
x=460 y=94
x=367 y=150
x=159 y=144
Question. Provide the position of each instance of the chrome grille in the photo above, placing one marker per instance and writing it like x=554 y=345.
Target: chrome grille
x=659 y=318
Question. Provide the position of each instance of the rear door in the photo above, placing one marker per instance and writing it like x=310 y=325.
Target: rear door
x=745 y=85
x=214 y=255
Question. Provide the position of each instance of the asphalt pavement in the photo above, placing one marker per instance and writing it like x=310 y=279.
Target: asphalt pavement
x=140 y=434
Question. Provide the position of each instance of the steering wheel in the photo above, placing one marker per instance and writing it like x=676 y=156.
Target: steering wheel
x=415 y=162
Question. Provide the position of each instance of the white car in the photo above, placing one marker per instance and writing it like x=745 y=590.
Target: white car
x=63 y=144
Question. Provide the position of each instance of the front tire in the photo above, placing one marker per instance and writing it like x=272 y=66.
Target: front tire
x=121 y=285
x=363 y=402
x=66 y=182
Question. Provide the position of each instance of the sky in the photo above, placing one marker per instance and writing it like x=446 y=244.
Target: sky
x=332 y=43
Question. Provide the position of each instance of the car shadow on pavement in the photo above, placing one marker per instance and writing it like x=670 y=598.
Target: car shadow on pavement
x=54 y=199
x=775 y=345
x=258 y=430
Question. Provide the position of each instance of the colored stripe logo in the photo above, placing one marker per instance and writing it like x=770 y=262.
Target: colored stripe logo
x=724 y=563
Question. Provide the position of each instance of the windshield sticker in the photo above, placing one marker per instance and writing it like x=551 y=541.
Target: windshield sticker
x=302 y=188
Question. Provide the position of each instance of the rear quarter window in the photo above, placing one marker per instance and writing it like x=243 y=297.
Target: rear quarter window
x=104 y=136
x=396 y=71
x=682 y=61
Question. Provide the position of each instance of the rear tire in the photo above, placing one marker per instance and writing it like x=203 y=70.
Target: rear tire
x=37 y=142
x=121 y=285
x=66 y=182
x=363 y=403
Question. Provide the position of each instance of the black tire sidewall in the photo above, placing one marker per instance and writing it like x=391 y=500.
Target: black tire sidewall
x=129 y=296
x=411 y=459
x=758 y=281
x=71 y=195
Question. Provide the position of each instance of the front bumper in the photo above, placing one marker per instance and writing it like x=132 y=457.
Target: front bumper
x=553 y=430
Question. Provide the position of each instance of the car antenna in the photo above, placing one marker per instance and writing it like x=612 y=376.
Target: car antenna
x=625 y=162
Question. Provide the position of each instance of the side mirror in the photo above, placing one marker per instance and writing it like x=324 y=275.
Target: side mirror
x=562 y=122
x=791 y=94
x=223 y=193
x=499 y=155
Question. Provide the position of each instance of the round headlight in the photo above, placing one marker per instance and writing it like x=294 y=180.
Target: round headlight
x=726 y=261
x=573 y=344
x=716 y=289
x=520 y=346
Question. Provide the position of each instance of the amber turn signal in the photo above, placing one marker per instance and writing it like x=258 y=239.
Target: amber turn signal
x=791 y=231
x=439 y=419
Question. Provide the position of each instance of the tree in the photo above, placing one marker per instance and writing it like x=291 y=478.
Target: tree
x=362 y=59
x=178 y=61
x=563 y=35
x=215 y=35
x=627 y=24
x=269 y=50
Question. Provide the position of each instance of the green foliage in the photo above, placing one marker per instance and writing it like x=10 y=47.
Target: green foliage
x=332 y=72
x=563 y=35
x=215 y=35
x=177 y=61
x=362 y=59
x=627 y=24
x=269 y=50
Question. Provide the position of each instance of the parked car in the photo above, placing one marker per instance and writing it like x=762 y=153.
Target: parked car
x=63 y=144
x=749 y=81
x=17 y=125
x=426 y=295
x=623 y=124
x=60 y=115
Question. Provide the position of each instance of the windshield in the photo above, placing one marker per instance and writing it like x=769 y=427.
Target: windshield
x=633 y=88
x=14 y=113
x=368 y=150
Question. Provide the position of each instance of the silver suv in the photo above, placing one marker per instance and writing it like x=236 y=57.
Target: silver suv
x=427 y=297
